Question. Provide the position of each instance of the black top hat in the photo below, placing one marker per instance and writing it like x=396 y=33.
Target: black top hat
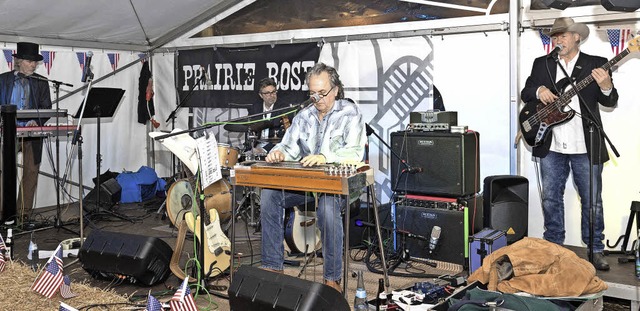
x=28 y=51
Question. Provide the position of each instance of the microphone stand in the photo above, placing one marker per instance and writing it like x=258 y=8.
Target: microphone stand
x=593 y=123
x=408 y=168
x=56 y=84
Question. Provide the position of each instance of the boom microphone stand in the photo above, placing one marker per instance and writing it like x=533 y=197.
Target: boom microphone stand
x=593 y=124
x=56 y=84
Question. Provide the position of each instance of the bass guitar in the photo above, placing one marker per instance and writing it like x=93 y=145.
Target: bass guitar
x=536 y=119
x=217 y=253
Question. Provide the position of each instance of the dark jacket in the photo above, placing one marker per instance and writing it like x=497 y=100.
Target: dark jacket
x=40 y=98
x=276 y=126
x=591 y=94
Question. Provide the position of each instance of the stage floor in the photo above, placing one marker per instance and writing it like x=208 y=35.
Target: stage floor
x=144 y=219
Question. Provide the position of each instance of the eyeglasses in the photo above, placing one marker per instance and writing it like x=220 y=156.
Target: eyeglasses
x=269 y=93
x=320 y=95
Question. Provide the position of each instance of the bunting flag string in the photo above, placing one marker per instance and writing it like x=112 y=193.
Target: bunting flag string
x=618 y=39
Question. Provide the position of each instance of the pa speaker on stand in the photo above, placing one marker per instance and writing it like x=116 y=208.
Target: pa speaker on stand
x=506 y=205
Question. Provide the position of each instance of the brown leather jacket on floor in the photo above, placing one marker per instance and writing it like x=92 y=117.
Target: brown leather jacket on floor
x=540 y=268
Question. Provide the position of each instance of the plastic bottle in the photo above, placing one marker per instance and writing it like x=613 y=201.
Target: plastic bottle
x=381 y=301
x=360 y=301
x=9 y=244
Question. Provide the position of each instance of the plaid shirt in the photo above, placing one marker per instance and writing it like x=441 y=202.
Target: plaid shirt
x=339 y=136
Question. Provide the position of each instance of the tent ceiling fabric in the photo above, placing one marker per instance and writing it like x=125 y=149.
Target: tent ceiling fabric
x=102 y=22
x=279 y=15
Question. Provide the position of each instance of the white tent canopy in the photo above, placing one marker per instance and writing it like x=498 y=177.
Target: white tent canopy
x=131 y=25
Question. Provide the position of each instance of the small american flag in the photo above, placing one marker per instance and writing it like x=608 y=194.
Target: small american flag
x=618 y=38
x=51 y=278
x=8 y=56
x=65 y=288
x=153 y=304
x=81 y=58
x=113 y=59
x=47 y=59
x=182 y=299
x=546 y=40
x=66 y=307
x=3 y=248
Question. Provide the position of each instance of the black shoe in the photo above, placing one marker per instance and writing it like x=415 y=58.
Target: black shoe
x=599 y=262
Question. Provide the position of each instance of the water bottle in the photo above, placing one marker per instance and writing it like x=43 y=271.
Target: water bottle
x=360 y=302
x=9 y=245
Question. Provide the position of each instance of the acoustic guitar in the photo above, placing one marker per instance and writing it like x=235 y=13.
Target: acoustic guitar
x=301 y=232
x=536 y=119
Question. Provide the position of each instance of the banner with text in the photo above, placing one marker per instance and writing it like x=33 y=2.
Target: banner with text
x=222 y=77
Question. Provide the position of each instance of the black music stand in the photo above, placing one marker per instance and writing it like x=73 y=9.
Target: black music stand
x=101 y=102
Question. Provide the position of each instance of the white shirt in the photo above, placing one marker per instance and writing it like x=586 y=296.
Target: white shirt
x=568 y=137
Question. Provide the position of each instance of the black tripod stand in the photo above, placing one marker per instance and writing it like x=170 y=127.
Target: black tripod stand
x=100 y=102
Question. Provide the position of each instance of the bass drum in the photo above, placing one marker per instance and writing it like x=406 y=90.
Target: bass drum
x=179 y=200
x=218 y=195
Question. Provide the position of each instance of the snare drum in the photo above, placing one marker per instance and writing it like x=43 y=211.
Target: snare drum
x=227 y=155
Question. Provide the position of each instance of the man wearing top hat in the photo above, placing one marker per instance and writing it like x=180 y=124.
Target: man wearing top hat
x=567 y=148
x=18 y=87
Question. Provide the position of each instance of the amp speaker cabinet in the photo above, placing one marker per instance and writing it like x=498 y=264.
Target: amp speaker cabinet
x=621 y=5
x=506 y=205
x=456 y=227
x=141 y=259
x=449 y=163
x=110 y=191
x=256 y=289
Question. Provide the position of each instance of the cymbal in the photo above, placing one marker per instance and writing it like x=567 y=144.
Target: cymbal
x=253 y=127
x=273 y=140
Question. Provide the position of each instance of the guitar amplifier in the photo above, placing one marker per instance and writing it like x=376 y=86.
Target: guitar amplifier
x=135 y=258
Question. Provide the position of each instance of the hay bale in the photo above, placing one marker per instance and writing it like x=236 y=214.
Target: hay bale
x=15 y=288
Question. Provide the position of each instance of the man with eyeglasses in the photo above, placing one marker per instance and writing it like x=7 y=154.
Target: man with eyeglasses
x=268 y=92
x=330 y=131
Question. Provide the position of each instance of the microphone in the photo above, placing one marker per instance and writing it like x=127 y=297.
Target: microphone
x=414 y=170
x=312 y=100
x=435 y=238
x=555 y=51
x=86 y=72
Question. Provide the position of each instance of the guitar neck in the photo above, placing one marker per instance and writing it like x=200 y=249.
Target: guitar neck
x=565 y=98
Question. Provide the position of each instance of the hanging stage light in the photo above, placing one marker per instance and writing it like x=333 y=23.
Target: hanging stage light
x=557 y=4
x=621 y=5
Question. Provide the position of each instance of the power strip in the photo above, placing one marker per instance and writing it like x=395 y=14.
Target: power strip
x=72 y=243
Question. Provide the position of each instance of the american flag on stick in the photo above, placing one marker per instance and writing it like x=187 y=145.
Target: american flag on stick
x=3 y=248
x=51 y=278
x=66 y=307
x=182 y=300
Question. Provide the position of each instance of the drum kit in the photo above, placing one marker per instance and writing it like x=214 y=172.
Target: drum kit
x=181 y=196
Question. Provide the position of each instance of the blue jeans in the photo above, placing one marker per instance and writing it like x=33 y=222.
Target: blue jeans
x=329 y=220
x=554 y=169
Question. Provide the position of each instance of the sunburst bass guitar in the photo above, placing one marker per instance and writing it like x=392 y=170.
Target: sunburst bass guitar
x=536 y=119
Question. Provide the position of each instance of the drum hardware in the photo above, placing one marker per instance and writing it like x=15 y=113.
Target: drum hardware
x=248 y=208
x=256 y=126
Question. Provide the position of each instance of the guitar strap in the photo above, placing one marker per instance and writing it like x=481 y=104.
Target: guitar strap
x=174 y=264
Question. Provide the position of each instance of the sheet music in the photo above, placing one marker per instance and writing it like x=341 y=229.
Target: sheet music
x=207 y=146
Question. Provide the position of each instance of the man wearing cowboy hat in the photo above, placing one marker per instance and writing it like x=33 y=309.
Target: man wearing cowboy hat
x=17 y=87
x=567 y=147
